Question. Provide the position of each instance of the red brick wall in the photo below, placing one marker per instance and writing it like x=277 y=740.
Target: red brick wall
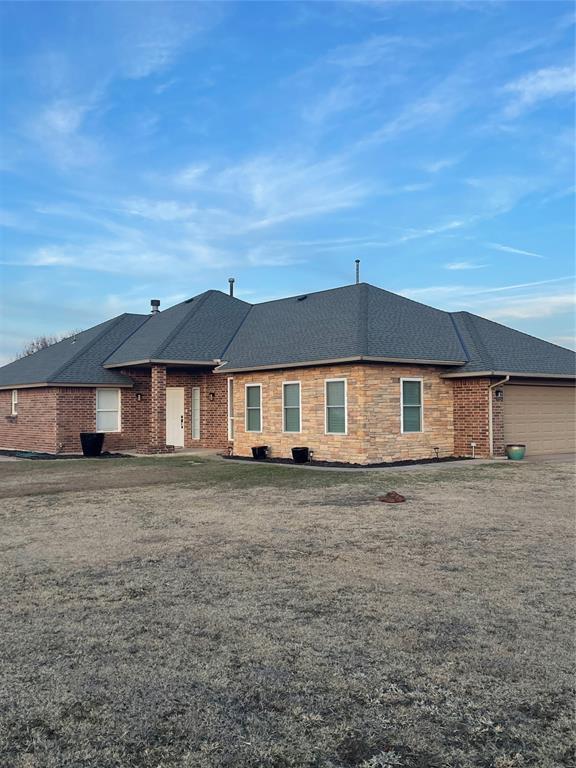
x=34 y=428
x=498 y=424
x=213 y=413
x=471 y=416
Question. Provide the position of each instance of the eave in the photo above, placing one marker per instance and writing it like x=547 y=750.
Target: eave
x=160 y=361
x=99 y=384
x=516 y=374
x=337 y=360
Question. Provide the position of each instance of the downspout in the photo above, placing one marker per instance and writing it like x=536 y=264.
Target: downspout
x=491 y=387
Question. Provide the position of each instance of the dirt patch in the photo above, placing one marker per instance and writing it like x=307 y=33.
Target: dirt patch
x=234 y=618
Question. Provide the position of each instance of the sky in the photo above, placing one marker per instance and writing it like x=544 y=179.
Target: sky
x=152 y=150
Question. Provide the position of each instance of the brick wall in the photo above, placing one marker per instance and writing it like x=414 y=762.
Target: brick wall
x=34 y=428
x=373 y=414
x=213 y=411
x=471 y=416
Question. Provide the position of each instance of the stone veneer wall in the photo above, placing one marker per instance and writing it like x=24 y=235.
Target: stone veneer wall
x=373 y=414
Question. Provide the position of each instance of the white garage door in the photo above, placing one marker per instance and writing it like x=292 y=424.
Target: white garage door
x=543 y=418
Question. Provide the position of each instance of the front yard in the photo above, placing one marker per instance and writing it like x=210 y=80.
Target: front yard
x=163 y=612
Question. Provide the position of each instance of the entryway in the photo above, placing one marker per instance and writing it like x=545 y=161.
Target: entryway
x=175 y=416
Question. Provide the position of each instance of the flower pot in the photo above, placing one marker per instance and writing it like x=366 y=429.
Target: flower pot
x=515 y=451
x=92 y=443
x=301 y=455
x=259 y=452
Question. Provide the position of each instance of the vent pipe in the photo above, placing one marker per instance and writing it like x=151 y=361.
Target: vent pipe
x=357 y=271
x=231 y=281
x=155 y=304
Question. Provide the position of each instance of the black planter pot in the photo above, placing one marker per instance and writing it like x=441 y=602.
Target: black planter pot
x=92 y=443
x=259 y=452
x=301 y=455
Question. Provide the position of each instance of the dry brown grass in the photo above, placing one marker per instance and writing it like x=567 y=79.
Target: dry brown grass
x=230 y=615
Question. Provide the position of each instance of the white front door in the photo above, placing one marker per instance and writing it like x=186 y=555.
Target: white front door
x=175 y=416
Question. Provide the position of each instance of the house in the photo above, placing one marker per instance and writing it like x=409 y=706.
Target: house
x=357 y=374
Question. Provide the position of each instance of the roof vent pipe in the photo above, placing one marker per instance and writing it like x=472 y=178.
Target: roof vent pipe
x=231 y=281
x=357 y=271
x=155 y=304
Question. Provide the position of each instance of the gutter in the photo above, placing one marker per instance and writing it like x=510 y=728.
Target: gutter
x=491 y=388
x=516 y=374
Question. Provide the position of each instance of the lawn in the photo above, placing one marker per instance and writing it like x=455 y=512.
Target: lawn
x=165 y=612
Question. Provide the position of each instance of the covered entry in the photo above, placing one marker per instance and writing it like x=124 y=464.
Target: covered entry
x=542 y=417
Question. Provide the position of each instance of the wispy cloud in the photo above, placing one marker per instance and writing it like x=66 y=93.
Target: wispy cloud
x=530 y=90
x=510 y=249
x=462 y=265
x=442 y=164
x=58 y=128
x=520 y=301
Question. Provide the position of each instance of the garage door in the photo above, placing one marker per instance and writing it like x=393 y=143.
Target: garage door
x=544 y=418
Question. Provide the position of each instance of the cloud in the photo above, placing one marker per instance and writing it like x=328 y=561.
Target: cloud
x=461 y=265
x=530 y=90
x=58 y=128
x=520 y=301
x=440 y=165
x=528 y=307
x=160 y=210
x=510 y=249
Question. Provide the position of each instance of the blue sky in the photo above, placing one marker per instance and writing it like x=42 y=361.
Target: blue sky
x=155 y=149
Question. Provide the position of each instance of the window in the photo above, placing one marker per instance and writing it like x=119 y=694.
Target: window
x=195 y=413
x=107 y=410
x=14 y=405
x=291 y=406
x=253 y=408
x=230 y=409
x=336 y=407
x=411 y=410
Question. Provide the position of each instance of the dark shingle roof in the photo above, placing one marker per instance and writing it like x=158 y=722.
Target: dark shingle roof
x=494 y=347
x=76 y=360
x=353 y=322
x=198 y=329
x=350 y=322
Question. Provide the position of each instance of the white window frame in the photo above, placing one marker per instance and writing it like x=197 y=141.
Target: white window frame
x=199 y=435
x=421 y=380
x=14 y=403
x=284 y=430
x=253 y=431
x=326 y=382
x=107 y=410
x=230 y=395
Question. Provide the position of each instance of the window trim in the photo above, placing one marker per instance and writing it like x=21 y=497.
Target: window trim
x=253 y=431
x=14 y=403
x=230 y=407
x=421 y=380
x=292 y=431
x=108 y=410
x=326 y=406
x=198 y=389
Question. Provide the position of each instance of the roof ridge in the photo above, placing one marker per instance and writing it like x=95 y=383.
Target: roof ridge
x=194 y=308
x=363 y=317
x=307 y=293
x=459 y=335
x=236 y=332
x=109 y=325
x=508 y=328
x=144 y=321
x=478 y=343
